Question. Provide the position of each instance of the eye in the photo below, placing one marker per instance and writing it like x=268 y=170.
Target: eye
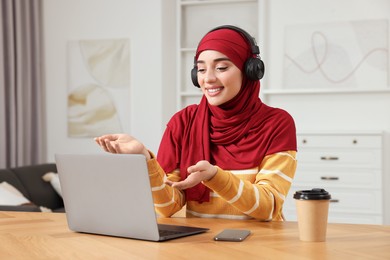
x=222 y=68
x=201 y=70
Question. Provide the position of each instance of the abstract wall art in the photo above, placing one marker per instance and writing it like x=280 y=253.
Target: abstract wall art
x=337 y=55
x=98 y=88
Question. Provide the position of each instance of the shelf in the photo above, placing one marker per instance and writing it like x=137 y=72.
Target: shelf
x=191 y=94
x=213 y=2
x=322 y=91
x=188 y=49
x=340 y=132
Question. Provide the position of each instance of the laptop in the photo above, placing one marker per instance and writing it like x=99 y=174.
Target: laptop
x=110 y=194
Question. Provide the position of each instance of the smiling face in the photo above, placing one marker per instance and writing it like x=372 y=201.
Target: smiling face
x=219 y=79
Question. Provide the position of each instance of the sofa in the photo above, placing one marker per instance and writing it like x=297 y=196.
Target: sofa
x=28 y=181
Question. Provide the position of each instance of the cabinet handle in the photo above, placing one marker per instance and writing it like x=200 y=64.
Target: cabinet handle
x=334 y=201
x=329 y=158
x=329 y=178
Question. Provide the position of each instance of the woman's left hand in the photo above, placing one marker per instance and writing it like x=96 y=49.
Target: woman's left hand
x=201 y=171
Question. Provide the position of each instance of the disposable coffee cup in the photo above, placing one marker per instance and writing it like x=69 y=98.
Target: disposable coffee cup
x=312 y=210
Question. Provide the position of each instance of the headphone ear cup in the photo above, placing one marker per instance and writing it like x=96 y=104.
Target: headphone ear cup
x=194 y=77
x=254 y=68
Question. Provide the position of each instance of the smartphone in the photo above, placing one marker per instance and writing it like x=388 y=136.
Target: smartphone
x=236 y=235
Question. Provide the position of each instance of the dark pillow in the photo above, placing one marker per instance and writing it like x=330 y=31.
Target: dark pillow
x=38 y=191
x=9 y=177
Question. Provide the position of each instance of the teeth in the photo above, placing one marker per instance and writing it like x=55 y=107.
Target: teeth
x=213 y=90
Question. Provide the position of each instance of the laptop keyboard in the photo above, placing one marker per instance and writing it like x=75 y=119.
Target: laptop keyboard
x=164 y=232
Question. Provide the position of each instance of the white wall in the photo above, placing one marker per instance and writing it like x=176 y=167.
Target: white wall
x=141 y=23
x=327 y=111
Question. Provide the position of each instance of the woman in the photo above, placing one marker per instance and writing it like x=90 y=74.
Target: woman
x=230 y=156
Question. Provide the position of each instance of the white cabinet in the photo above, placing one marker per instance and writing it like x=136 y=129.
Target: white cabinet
x=195 y=19
x=349 y=167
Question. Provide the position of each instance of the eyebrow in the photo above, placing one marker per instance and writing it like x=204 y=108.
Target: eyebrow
x=216 y=60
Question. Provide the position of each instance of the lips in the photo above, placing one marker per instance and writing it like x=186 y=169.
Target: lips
x=214 y=91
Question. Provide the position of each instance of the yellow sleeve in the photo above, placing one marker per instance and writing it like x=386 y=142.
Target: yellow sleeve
x=262 y=199
x=167 y=200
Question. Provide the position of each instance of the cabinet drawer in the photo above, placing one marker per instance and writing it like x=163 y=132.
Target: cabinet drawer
x=347 y=141
x=370 y=158
x=355 y=218
x=337 y=178
x=291 y=215
x=346 y=201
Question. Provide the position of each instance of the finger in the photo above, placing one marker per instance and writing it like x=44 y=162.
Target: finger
x=190 y=182
x=100 y=138
x=169 y=182
x=199 y=166
x=98 y=141
x=109 y=146
x=110 y=137
x=191 y=169
x=181 y=185
x=194 y=168
x=103 y=144
x=117 y=148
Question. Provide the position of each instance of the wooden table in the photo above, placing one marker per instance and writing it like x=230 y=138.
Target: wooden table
x=46 y=236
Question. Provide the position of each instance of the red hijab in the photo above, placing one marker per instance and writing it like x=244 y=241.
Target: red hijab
x=235 y=135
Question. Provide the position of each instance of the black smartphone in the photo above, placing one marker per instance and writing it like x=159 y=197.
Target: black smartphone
x=236 y=235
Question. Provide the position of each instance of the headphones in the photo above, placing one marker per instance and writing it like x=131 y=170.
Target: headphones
x=253 y=67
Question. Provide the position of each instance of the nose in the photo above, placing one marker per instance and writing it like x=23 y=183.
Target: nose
x=209 y=76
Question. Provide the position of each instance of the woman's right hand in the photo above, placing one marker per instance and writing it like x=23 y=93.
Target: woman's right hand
x=122 y=143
